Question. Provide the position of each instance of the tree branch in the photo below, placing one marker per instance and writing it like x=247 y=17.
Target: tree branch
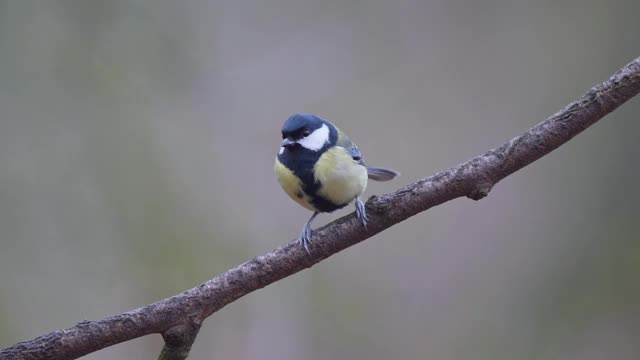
x=178 y=318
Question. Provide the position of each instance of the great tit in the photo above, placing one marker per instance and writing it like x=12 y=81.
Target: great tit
x=321 y=169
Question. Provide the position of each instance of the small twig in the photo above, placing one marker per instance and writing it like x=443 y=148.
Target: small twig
x=179 y=317
x=178 y=340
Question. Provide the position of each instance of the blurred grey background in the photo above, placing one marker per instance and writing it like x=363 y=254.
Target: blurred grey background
x=137 y=141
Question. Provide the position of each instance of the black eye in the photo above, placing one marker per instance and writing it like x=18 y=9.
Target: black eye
x=306 y=133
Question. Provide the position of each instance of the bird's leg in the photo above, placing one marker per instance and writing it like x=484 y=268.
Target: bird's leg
x=305 y=236
x=361 y=213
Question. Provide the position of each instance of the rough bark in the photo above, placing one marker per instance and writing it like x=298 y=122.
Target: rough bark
x=178 y=318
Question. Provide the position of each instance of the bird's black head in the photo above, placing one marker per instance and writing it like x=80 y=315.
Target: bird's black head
x=308 y=131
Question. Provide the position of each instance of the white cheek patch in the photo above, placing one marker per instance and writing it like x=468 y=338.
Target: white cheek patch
x=316 y=140
x=281 y=150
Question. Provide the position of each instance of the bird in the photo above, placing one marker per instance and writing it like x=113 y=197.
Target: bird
x=319 y=167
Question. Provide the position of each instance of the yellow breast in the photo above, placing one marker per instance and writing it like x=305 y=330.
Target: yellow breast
x=291 y=185
x=341 y=177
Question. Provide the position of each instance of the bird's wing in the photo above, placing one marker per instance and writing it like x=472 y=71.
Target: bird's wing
x=352 y=149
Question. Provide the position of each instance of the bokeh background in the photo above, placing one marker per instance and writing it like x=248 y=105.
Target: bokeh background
x=136 y=149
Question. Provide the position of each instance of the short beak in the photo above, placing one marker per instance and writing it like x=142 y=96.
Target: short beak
x=287 y=142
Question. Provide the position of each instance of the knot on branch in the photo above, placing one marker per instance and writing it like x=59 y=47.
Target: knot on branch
x=480 y=190
x=374 y=205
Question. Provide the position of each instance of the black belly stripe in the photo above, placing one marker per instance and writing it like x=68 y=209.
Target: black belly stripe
x=324 y=205
x=301 y=162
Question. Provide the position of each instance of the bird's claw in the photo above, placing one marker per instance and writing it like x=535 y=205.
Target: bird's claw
x=305 y=237
x=361 y=213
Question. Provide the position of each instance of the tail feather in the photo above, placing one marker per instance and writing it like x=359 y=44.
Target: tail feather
x=381 y=174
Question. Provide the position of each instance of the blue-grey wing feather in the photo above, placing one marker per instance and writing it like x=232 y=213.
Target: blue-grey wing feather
x=351 y=148
x=374 y=173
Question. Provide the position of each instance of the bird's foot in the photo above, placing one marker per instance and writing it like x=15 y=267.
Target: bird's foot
x=361 y=213
x=305 y=237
